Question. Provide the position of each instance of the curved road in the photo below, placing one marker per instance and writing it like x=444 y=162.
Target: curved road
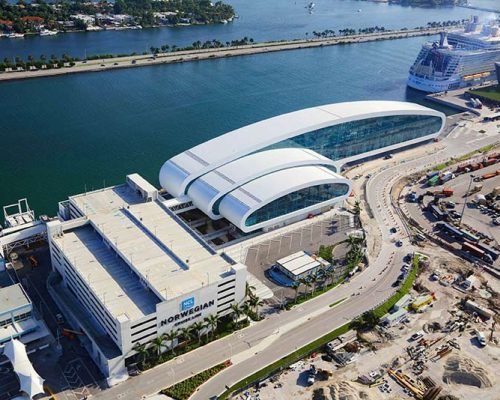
x=384 y=268
x=278 y=335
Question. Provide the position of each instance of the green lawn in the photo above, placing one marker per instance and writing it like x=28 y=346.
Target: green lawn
x=491 y=92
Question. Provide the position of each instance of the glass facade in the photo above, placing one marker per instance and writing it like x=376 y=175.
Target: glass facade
x=357 y=137
x=298 y=200
x=215 y=207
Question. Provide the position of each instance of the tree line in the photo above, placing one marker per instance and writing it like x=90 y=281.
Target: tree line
x=26 y=17
x=54 y=61
x=163 y=347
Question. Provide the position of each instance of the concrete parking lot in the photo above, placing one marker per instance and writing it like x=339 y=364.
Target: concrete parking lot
x=262 y=256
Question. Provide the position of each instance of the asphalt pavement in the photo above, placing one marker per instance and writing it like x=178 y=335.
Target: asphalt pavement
x=278 y=335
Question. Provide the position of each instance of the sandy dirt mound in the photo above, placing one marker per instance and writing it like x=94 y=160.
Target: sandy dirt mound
x=342 y=391
x=465 y=371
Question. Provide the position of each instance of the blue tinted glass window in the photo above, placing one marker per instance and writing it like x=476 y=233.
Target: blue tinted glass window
x=297 y=201
x=215 y=207
x=357 y=137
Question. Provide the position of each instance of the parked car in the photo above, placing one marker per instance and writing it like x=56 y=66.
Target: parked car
x=311 y=377
x=481 y=339
x=417 y=336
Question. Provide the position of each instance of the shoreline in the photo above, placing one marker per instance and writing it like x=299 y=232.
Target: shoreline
x=108 y=64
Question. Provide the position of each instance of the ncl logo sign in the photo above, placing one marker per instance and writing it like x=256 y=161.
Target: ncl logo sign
x=187 y=304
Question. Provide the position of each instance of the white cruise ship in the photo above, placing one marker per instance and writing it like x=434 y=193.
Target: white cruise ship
x=460 y=59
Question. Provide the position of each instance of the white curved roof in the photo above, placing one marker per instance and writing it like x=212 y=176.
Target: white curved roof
x=179 y=171
x=207 y=189
x=243 y=201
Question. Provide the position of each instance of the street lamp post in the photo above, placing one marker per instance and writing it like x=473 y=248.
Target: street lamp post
x=466 y=197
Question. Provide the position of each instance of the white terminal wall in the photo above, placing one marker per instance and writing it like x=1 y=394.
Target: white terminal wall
x=209 y=188
x=179 y=171
x=239 y=204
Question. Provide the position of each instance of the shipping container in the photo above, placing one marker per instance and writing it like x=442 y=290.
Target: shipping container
x=469 y=236
x=494 y=254
x=433 y=181
x=466 y=246
x=450 y=231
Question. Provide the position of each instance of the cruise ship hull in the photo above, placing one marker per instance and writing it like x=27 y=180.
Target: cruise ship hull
x=432 y=86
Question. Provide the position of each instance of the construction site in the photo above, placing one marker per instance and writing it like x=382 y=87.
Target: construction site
x=438 y=342
x=441 y=340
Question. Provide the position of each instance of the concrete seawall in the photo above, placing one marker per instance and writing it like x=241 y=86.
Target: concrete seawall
x=209 y=54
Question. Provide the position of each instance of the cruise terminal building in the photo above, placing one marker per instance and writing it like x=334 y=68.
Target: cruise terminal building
x=127 y=266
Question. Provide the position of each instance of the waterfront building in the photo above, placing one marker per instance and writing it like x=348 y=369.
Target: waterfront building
x=127 y=270
x=128 y=265
x=280 y=170
x=459 y=59
x=17 y=317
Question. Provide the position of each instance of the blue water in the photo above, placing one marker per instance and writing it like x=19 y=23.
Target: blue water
x=259 y=19
x=62 y=135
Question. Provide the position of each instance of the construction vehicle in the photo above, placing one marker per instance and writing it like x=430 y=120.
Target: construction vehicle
x=475 y=189
x=412 y=197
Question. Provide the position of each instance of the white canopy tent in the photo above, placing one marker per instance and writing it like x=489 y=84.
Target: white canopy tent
x=31 y=382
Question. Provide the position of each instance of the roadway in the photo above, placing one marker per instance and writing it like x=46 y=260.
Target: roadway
x=280 y=334
x=387 y=263
x=209 y=54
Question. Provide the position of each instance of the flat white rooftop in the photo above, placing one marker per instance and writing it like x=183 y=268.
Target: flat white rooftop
x=107 y=275
x=150 y=240
x=299 y=263
x=12 y=297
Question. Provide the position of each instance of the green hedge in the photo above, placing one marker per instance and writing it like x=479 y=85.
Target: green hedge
x=183 y=390
x=309 y=348
x=286 y=361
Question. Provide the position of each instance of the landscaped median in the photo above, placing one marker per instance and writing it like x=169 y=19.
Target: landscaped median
x=318 y=343
x=184 y=390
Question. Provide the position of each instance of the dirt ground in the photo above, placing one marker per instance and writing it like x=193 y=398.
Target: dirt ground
x=469 y=372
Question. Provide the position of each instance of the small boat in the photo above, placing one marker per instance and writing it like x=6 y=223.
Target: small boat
x=223 y=21
x=15 y=35
x=311 y=5
x=359 y=9
x=46 y=32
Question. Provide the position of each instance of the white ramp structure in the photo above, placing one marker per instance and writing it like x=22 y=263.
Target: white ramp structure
x=31 y=383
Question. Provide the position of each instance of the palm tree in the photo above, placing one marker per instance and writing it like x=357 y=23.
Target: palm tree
x=157 y=344
x=247 y=310
x=329 y=276
x=198 y=328
x=249 y=289
x=171 y=337
x=212 y=321
x=186 y=333
x=306 y=283
x=357 y=208
x=255 y=302
x=296 y=287
x=235 y=308
x=142 y=351
x=313 y=279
